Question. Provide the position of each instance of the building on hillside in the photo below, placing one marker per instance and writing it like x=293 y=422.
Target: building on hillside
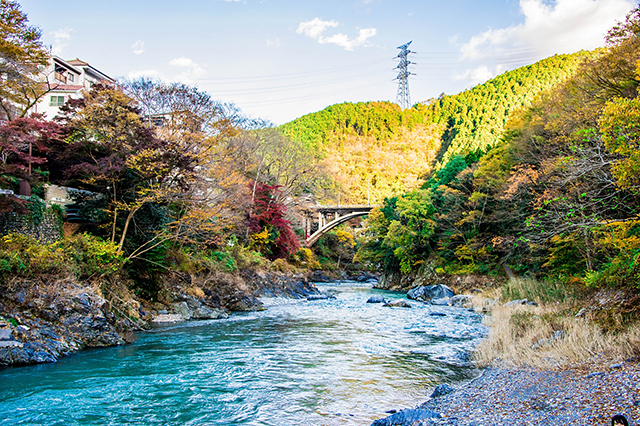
x=67 y=79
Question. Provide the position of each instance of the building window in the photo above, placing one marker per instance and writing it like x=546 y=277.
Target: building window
x=70 y=78
x=56 y=101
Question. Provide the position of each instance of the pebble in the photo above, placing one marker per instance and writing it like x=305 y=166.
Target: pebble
x=5 y=334
x=614 y=366
x=528 y=396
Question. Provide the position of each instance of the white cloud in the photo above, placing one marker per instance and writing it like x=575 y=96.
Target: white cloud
x=138 y=47
x=192 y=71
x=559 y=26
x=274 y=42
x=316 y=27
x=61 y=37
x=479 y=74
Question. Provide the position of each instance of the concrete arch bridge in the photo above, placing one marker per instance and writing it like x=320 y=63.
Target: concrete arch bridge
x=322 y=219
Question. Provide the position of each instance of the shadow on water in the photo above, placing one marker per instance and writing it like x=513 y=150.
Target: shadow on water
x=332 y=362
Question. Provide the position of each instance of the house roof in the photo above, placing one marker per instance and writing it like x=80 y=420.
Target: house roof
x=97 y=73
x=78 y=62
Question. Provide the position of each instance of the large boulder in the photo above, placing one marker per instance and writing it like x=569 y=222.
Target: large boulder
x=52 y=320
x=428 y=292
x=441 y=390
x=205 y=312
x=182 y=309
x=406 y=417
x=442 y=301
x=376 y=299
x=400 y=303
x=243 y=302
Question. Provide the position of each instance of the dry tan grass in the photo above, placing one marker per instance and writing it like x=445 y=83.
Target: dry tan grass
x=523 y=335
x=485 y=301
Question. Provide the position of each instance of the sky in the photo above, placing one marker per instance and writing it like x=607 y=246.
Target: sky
x=281 y=59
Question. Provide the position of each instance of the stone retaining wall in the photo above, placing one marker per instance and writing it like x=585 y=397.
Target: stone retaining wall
x=46 y=229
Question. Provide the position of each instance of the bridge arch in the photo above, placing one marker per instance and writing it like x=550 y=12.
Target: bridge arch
x=329 y=226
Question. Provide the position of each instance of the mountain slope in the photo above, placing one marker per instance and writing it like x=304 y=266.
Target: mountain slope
x=375 y=149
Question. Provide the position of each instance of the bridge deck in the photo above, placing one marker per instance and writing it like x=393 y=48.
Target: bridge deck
x=341 y=208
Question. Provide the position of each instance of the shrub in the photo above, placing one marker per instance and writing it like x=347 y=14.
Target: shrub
x=282 y=265
x=223 y=260
x=26 y=256
x=91 y=255
x=305 y=258
x=81 y=254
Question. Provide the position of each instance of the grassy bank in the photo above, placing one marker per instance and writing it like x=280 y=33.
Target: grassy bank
x=568 y=324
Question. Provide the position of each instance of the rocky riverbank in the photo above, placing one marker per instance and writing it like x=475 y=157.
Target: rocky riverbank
x=45 y=318
x=586 y=394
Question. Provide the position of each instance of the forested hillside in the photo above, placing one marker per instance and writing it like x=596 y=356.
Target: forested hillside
x=375 y=149
x=559 y=196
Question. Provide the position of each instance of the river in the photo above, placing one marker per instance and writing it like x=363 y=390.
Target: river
x=331 y=362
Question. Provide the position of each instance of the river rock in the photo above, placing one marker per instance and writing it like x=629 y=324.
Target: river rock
x=320 y=277
x=167 y=318
x=443 y=301
x=521 y=302
x=462 y=301
x=406 y=417
x=321 y=296
x=376 y=299
x=429 y=292
x=557 y=335
x=400 y=303
x=204 y=312
x=363 y=277
x=242 y=302
x=55 y=319
x=441 y=390
x=182 y=309
x=5 y=334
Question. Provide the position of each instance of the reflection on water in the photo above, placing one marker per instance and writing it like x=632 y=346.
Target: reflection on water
x=328 y=362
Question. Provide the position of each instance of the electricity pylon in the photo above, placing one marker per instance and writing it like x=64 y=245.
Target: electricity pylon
x=403 y=98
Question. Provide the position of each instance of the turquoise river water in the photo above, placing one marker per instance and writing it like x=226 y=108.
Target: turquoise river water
x=329 y=362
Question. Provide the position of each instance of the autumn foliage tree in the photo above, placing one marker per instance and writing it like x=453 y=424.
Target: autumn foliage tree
x=22 y=60
x=271 y=233
x=112 y=153
x=24 y=144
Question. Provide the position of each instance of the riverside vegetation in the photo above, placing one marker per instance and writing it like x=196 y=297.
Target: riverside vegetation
x=536 y=170
x=186 y=205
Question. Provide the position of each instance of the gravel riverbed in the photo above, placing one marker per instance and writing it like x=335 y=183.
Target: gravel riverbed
x=584 y=394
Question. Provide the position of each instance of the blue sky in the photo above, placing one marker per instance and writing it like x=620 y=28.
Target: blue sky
x=281 y=59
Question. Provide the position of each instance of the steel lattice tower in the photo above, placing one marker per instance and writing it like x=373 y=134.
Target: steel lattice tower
x=403 y=98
